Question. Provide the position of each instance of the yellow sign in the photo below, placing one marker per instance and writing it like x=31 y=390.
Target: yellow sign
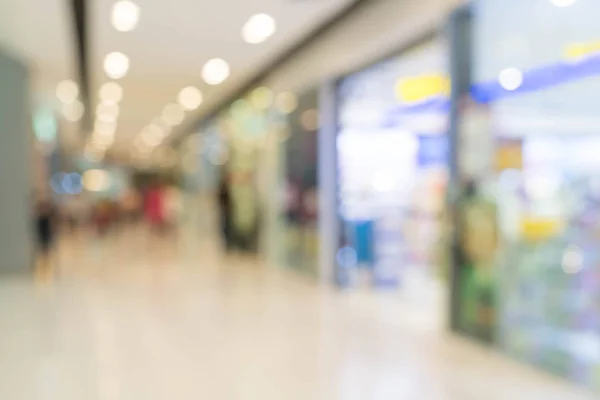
x=579 y=50
x=535 y=229
x=509 y=156
x=422 y=87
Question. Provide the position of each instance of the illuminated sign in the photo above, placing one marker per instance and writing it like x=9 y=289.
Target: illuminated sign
x=423 y=87
x=579 y=50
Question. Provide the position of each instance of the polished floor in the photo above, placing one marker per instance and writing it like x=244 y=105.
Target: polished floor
x=137 y=317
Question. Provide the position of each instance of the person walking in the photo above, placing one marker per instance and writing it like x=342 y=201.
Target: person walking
x=224 y=203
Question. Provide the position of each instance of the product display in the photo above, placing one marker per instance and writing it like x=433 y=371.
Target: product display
x=392 y=153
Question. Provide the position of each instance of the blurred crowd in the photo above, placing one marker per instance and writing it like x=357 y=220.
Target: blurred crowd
x=157 y=206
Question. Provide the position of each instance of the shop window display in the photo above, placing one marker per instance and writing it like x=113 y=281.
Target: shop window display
x=529 y=186
x=392 y=154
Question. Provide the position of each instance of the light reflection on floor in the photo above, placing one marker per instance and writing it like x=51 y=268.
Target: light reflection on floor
x=137 y=316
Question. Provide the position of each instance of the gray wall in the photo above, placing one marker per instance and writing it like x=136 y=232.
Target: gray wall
x=16 y=244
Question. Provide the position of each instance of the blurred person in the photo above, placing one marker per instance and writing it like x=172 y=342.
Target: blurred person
x=77 y=211
x=173 y=205
x=130 y=205
x=46 y=218
x=154 y=206
x=224 y=203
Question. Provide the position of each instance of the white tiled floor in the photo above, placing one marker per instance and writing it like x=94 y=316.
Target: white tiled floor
x=140 y=318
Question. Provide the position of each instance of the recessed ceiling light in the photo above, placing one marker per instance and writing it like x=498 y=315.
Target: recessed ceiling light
x=108 y=107
x=111 y=92
x=116 y=65
x=67 y=91
x=125 y=15
x=258 y=28
x=151 y=138
x=73 y=111
x=106 y=118
x=173 y=114
x=162 y=124
x=102 y=141
x=190 y=98
x=215 y=71
x=286 y=102
x=510 y=79
x=105 y=128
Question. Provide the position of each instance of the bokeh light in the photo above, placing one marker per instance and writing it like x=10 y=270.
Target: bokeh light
x=67 y=91
x=215 y=71
x=190 y=98
x=116 y=65
x=258 y=28
x=125 y=15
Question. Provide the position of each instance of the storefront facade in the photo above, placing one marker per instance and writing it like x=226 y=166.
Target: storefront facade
x=392 y=151
x=528 y=202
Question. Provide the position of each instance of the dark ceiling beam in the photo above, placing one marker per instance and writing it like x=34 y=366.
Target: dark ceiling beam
x=296 y=48
x=79 y=11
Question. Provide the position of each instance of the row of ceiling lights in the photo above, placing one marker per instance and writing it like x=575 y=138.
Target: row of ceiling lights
x=257 y=29
x=125 y=16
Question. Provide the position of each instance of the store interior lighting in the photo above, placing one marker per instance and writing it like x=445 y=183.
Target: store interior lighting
x=116 y=65
x=215 y=71
x=67 y=91
x=125 y=15
x=111 y=92
x=258 y=28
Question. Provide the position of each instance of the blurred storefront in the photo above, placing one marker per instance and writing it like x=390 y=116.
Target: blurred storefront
x=392 y=155
x=250 y=160
x=528 y=261
x=300 y=152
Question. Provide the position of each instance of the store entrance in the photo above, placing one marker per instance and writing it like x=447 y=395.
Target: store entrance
x=392 y=155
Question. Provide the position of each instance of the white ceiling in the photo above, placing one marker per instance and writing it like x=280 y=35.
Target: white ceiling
x=167 y=50
x=174 y=39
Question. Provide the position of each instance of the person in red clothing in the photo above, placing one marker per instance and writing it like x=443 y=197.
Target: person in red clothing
x=154 y=206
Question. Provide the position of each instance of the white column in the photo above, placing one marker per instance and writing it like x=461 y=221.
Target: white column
x=16 y=196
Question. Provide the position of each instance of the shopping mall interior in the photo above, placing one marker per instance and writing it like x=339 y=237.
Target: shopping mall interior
x=186 y=212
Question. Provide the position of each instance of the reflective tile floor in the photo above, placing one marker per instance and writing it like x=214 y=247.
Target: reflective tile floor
x=136 y=317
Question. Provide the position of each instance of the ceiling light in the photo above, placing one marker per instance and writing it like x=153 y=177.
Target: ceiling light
x=215 y=71
x=67 y=91
x=149 y=139
x=125 y=15
x=106 y=118
x=74 y=111
x=116 y=65
x=102 y=142
x=258 y=28
x=173 y=114
x=286 y=102
x=563 y=3
x=510 y=79
x=152 y=135
x=190 y=98
x=162 y=124
x=105 y=128
x=108 y=107
x=111 y=92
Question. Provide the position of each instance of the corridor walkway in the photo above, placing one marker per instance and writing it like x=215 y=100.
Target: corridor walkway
x=135 y=317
